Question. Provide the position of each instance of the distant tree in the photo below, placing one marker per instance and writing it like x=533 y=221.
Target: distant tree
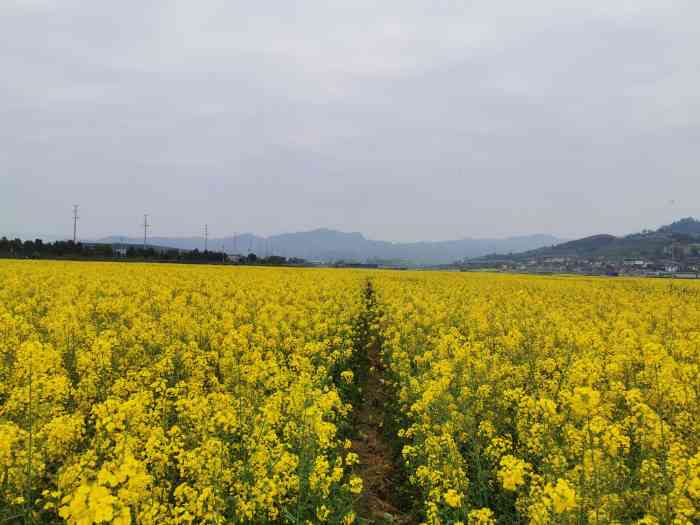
x=104 y=250
x=37 y=248
x=276 y=259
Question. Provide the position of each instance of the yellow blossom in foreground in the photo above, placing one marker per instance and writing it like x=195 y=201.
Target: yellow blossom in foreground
x=512 y=472
x=355 y=485
x=452 y=498
x=584 y=400
x=481 y=517
x=562 y=495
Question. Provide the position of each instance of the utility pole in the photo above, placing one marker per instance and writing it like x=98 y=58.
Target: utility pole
x=206 y=236
x=75 y=223
x=235 y=234
x=145 y=229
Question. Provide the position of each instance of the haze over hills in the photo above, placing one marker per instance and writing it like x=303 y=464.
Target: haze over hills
x=327 y=245
x=331 y=245
x=648 y=243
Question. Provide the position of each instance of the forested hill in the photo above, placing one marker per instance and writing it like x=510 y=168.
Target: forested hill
x=648 y=243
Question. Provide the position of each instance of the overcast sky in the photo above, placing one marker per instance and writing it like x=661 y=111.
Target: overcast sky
x=405 y=120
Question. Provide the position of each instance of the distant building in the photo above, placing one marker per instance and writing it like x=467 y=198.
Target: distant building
x=554 y=260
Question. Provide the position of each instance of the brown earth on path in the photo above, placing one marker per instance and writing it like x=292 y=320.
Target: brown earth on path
x=378 y=503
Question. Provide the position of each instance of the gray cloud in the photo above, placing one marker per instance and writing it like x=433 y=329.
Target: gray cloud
x=404 y=120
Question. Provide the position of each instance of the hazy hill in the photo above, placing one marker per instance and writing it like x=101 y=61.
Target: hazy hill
x=332 y=245
x=604 y=246
x=648 y=243
x=687 y=226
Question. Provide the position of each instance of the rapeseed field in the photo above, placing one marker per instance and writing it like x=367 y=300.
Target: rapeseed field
x=172 y=394
x=546 y=399
x=148 y=394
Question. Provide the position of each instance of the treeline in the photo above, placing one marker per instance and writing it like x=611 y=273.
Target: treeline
x=273 y=260
x=38 y=249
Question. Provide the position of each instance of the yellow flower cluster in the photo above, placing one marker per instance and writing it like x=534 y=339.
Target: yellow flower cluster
x=546 y=399
x=159 y=394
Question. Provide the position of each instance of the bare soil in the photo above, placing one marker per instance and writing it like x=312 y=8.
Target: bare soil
x=380 y=473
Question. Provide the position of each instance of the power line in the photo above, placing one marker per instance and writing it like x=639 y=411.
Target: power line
x=145 y=229
x=75 y=223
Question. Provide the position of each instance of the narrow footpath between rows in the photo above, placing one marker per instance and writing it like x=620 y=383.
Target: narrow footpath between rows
x=382 y=474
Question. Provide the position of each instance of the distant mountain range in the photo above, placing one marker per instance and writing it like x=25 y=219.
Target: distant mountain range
x=332 y=245
x=648 y=243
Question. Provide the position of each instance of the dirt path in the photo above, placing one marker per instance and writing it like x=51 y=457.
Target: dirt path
x=380 y=501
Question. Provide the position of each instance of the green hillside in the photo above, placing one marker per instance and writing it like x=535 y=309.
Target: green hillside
x=647 y=244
